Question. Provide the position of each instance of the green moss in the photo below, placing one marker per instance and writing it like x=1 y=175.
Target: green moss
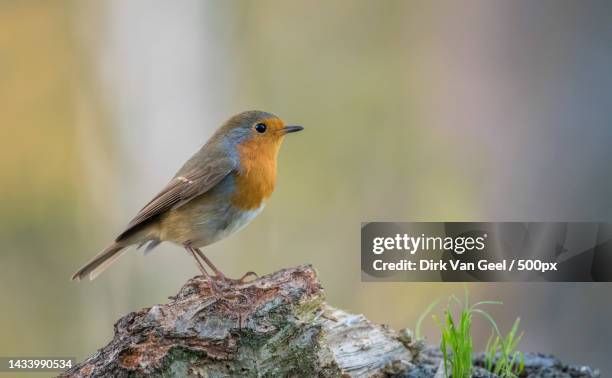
x=295 y=350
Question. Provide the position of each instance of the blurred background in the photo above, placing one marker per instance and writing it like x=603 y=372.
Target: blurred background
x=414 y=110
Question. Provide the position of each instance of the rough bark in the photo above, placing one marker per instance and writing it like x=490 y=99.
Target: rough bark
x=277 y=325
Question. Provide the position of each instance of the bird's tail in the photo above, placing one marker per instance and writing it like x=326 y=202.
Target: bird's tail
x=100 y=262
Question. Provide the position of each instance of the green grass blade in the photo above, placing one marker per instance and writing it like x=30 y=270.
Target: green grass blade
x=477 y=304
x=422 y=317
x=489 y=318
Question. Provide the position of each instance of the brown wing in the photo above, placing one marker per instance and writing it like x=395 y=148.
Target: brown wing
x=184 y=187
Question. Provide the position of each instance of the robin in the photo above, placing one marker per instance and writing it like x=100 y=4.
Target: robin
x=216 y=193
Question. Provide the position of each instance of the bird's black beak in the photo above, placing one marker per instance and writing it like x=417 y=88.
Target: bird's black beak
x=292 y=129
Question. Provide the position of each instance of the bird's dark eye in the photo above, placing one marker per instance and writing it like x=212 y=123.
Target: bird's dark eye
x=261 y=128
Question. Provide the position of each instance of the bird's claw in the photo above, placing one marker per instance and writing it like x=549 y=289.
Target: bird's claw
x=226 y=294
x=222 y=278
x=247 y=275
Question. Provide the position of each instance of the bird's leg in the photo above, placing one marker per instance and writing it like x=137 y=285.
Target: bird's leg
x=198 y=262
x=219 y=274
x=212 y=266
x=213 y=286
x=218 y=292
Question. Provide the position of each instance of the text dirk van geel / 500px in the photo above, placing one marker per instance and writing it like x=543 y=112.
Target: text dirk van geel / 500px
x=415 y=246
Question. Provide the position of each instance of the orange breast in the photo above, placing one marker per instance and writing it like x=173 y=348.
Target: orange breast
x=256 y=179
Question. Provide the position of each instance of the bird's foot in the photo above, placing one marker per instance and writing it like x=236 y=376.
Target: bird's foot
x=215 y=290
x=232 y=300
x=226 y=293
x=232 y=281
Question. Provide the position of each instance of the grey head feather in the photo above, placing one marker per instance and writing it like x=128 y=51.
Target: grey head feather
x=239 y=128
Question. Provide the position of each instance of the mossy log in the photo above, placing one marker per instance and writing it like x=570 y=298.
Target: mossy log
x=277 y=325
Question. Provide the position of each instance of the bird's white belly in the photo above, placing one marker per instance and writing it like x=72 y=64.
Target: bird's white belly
x=219 y=223
x=238 y=222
